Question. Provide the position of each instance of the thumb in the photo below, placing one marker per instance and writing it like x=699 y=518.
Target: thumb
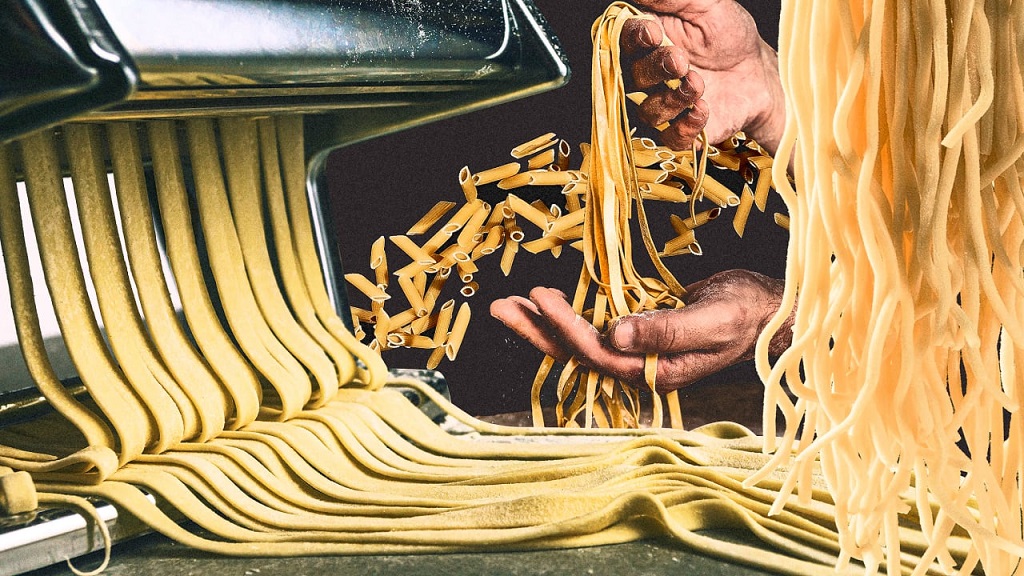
x=694 y=327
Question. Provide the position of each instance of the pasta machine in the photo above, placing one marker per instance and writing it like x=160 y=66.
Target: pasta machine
x=354 y=68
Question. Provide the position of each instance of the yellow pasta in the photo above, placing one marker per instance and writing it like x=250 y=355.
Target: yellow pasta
x=379 y=263
x=434 y=215
x=371 y=290
x=467 y=184
x=562 y=155
x=533 y=146
x=495 y=174
x=541 y=160
x=460 y=325
x=508 y=255
x=739 y=219
x=469 y=289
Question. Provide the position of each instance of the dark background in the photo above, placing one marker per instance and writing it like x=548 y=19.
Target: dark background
x=383 y=186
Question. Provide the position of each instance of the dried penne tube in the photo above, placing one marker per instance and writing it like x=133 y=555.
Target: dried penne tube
x=782 y=220
x=371 y=290
x=400 y=321
x=651 y=174
x=646 y=158
x=436 y=241
x=538 y=218
x=435 y=358
x=423 y=325
x=701 y=218
x=464 y=213
x=761 y=162
x=565 y=222
x=467 y=184
x=544 y=243
x=418 y=341
x=396 y=340
x=514 y=233
x=497 y=213
x=413 y=295
x=433 y=216
x=472 y=227
x=460 y=324
x=466 y=270
x=362 y=315
x=381 y=327
x=508 y=255
x=545 y=178
x=562 y=155
x=416 y=268
x=514 y=181
x=490 y=243
x=542 y=160
x=419 y=281
x=739 y=218
x=535 y=145
x=663 y=192
x=416 y=253
x=764 y=184
x=444 y=321
x=434 y=289
x=726 y=160
x=642 y=143
x=683 y=241
x=495 y=174
x=377 y=256
x=469 y=289
x=719 y=194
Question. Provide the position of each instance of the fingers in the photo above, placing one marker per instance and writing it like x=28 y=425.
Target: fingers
x=583 y=340
x=660 y=65
x=522 y=317
x=696 y=327
x=667 y=104
x=684 y=130
x=679 y=370
x=640 y=35
x=548 y=322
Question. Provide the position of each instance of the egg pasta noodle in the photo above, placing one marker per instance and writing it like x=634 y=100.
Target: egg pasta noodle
x=905 y=257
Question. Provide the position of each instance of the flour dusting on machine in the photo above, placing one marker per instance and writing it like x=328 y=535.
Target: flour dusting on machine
x=353 y=69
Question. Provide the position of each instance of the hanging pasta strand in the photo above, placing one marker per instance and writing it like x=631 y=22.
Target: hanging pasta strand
x=908 y=327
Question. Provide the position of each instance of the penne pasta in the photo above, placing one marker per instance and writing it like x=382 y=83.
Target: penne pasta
x=541 y=160
x=433 y=216
x=460 y=325
x=533 y=146
x=495 y=174
x=739 y=219
x=467 y=184
x=369 y=289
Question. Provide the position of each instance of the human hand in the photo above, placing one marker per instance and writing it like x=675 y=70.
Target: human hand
x=717 y=328
x=729 y=75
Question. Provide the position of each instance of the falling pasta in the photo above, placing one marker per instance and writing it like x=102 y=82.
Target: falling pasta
x=655 y=173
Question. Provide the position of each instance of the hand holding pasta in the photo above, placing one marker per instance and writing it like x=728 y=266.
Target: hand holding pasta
x=729 y=75
x=717 y=328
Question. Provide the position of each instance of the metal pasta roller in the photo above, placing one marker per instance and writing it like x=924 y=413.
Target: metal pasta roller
x=354 y=69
